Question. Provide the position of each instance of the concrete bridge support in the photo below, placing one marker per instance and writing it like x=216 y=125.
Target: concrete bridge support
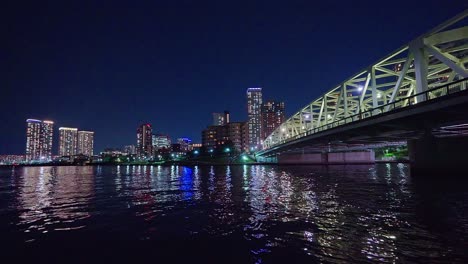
x=431 y=156
x=355 y=157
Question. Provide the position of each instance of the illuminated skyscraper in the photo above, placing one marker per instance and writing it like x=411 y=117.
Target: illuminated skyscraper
x=85 y=143
x=33 y=136
x=39 y=136
x=145 y=140
x=47 y=132
x=272 y=117
x=254 y=104
x=68 y=141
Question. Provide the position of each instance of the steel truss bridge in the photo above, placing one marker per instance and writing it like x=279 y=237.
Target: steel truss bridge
x=430 y=70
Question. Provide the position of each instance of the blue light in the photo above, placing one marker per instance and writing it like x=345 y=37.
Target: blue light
x=195 y=152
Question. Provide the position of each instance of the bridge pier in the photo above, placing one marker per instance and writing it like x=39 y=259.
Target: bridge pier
x=431 y=156
x=355 y=157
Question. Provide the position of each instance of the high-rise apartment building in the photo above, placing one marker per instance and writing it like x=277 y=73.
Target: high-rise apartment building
x=47 y=132
x=221 y=119
x=145 y=140
x=33 y=136
x=254 y=104
x=68 y=141
x=272 y=117
x=39 y=137
x=85 y=143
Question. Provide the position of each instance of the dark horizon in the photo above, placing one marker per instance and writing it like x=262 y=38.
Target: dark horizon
x=108 y=67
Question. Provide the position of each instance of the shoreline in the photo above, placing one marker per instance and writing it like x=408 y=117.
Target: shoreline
x=197 y=163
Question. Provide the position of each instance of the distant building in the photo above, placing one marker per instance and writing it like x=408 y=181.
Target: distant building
x=85 y=143
x=215 y=136
x=68 y=141
x=39 y=138
x=129 y=150
x=161 y=141
x=47 y=134
x=254 y=103
x=221 y=119
x=144 y=140
x=176 y=147
x=272 y=117
x=11 y=159
x=195 y=146
x=235 y=135
x=184 y=144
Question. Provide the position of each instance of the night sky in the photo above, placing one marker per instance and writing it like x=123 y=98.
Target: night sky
x=108 y=66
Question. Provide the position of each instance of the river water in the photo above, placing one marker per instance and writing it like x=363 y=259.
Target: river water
x=232 y=214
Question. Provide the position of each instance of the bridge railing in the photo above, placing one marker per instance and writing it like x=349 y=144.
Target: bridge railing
x=428 y=95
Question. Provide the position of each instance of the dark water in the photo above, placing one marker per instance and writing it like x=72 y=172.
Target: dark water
x=236 y=214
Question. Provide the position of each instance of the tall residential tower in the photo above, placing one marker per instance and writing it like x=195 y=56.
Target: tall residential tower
x=85 y=143
x=39 y=136
x=272 y=117
x=145 y=140
x=254 y=123
x=68 y=141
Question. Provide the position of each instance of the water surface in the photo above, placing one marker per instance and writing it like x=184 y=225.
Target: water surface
x=237 y=214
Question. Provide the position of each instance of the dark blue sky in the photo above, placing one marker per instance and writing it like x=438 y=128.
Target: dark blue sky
x=112 y=65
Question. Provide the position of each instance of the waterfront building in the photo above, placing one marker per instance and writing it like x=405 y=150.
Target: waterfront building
x=144 y=140
x=85 y=143
x=68 y=141
x=47 y=133
x=130 y=149
x=11 y=159
x=272 y=117
x=39 y=138
x=215 y=136
x=235 y=134
x=254 y=103
x=161 y=141
x=33 y=135
x=221 y=119
x=184 y=144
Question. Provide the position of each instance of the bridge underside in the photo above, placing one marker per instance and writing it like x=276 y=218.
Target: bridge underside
x=442 y=117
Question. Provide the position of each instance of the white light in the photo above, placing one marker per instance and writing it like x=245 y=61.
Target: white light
x=282 y=130
x=303 y=127
x=379 y=95
x=329 y=116
x=306 y=116
x=360 y=88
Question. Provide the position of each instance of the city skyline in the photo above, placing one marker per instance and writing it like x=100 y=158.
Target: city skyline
x=128 y=76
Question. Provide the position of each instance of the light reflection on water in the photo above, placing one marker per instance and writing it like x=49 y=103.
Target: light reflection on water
x=336 y=214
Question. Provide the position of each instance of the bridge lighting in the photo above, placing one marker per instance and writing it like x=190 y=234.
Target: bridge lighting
x=329 y=116
x=282 y=130
x=360 y=88
x=303 y=127
x=244 y=158
x=306 y=116
x=379 y=95
x=195 y=152
x=227 y=150
x=211 y=150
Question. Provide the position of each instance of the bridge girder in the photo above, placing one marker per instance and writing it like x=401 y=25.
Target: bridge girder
x=436 y=58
